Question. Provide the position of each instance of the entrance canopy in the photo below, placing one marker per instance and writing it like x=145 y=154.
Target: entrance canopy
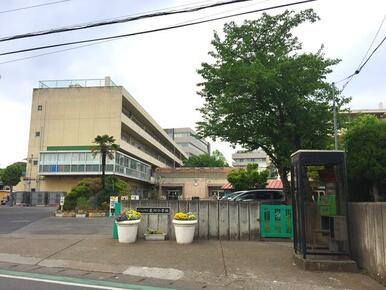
x=319 y=188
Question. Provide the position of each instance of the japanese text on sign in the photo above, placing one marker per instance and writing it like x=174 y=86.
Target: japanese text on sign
x=154 y=210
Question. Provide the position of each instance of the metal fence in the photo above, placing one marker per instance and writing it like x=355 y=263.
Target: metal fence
x=43 y=198
x=216 y=219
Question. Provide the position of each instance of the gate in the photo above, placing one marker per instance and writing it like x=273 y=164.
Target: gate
x=276 y=221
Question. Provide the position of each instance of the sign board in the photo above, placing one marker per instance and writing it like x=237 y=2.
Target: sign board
x=113 y=200
x=124 y=197
x=61 y=200
x=134 y=197
x=153 y=210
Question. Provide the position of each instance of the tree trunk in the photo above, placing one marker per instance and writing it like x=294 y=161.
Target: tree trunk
x=375 y=192
x=286 y=184
x=103 y=169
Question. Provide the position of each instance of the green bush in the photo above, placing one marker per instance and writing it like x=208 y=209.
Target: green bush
x=91 y=190
x=82 y=203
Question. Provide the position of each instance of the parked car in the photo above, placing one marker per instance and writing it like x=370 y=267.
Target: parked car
x=273 y=196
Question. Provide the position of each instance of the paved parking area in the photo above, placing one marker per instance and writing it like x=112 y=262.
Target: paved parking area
x=14 y=218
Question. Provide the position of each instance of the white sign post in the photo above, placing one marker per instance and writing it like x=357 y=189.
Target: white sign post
x=61 y=202
x=113 y=200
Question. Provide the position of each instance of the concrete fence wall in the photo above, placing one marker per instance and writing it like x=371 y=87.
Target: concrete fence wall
x=216 y=219
x=367 y=223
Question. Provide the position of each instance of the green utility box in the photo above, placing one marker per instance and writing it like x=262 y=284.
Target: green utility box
x=327 y=205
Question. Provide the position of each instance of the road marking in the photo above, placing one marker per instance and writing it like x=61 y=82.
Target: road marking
x=153 y=272
x=72 y=281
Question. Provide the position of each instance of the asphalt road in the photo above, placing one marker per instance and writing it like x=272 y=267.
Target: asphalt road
x=14 y=218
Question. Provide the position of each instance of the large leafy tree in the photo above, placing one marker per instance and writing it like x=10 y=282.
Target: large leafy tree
x=261 y=91
x=11 y=174
x=217 y=159
x=248 y=178
x=365 y=143
x=105 y=145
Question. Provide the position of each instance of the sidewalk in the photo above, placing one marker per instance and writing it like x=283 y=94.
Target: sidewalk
x=203 y=264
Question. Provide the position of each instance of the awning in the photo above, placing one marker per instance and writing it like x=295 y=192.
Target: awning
x=271 y=183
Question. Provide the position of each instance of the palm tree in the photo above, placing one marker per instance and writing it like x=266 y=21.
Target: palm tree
x=106 y=147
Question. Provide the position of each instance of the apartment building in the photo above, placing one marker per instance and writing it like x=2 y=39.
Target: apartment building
x=189 y=142
x=243 y=158
x=67 y=115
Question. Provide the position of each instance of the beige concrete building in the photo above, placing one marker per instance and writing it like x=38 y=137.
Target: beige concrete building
x=189 y=142
x=66 y=116
x=243 y=158
x=190 y=182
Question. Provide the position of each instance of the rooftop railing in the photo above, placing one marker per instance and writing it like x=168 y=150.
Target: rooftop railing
x=77 y=83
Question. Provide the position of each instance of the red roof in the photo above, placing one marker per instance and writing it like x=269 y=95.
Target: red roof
x=271 y=183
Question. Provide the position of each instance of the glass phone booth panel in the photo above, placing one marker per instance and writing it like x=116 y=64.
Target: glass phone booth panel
x=319 y=188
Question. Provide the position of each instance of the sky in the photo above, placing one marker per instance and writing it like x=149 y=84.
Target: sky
x=160 y=69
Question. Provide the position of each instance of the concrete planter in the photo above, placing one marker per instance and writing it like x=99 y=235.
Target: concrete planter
x=80 y=215
x=127 y=231
x=184 y=230
x=155 y=237
x=68 y=214
x=59 y=214
x=96 y=214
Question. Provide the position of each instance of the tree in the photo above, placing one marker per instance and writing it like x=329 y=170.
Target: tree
x=217 y=159
x=261 y=92
x=248 y=178
x=12 y=173
x=365 y=144
x=106 y=147
x=91 y=189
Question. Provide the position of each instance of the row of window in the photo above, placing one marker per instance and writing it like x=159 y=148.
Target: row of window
x=52 y=162
x=74 y=168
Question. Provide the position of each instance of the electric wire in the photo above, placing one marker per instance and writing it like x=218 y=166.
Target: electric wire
x=154 y=30
x=104 y=41
x=119 y=20
x=363 y=62
x=33 y=6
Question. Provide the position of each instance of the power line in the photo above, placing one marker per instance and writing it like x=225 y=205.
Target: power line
x=362 y=64
x=33 y=6
x=153 y=30
x=374 y=38
x=91 y=44
x=119 y=20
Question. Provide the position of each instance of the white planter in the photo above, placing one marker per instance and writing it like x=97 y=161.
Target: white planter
x=184 y=231
x=59 y=214
x=80 y=215
x=155 y=237
x=127 y=231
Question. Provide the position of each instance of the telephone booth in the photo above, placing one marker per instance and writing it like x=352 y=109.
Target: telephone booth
x=319 y=190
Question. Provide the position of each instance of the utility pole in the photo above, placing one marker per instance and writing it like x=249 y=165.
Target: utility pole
x=334 y=115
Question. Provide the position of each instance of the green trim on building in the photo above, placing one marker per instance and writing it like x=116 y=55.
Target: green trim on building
x=68 y=148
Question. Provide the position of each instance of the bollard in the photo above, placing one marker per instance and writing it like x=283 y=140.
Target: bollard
x=117 y=212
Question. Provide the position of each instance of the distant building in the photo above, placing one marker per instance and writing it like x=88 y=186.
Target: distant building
x=379 y=113
x=189 y=142
x=243 y=158
x=66 y=116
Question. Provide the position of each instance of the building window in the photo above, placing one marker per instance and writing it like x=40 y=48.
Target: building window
x=35 y=162
x=37 y=134
x=40 y=107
